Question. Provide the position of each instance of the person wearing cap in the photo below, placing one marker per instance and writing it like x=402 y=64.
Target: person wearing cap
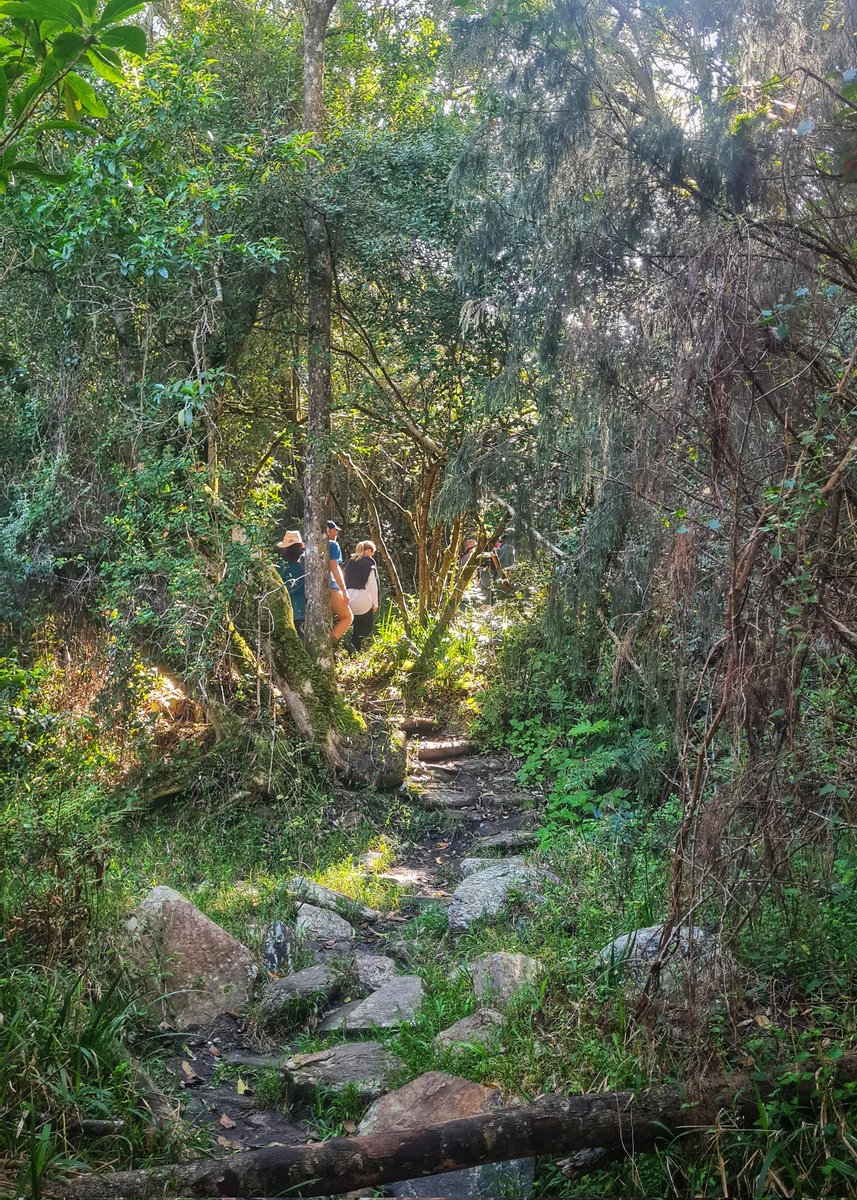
x=292 y=571
x=339 y=602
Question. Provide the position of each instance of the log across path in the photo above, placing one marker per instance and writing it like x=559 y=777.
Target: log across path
x=624 y=1122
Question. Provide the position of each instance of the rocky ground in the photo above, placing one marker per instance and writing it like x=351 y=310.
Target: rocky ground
x=340 y=976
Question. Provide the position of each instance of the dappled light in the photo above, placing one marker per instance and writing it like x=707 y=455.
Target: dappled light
x=428 y=616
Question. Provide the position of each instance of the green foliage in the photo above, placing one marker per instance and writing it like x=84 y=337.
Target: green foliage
x=591 y=761
x=55 y=817
x=42 y=42
x=63 y=1061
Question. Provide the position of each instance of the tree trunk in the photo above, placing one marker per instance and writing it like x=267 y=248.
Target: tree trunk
x=319 y=300
x=626 y=1122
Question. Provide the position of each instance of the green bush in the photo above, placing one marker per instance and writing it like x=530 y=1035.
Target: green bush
x=591 y=760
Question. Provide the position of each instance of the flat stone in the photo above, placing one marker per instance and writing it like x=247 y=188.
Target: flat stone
x=313 y=983
x=373 y=970
x=469 y=866
x=368 y=1065
x=430 y=1100
x=479 y=1029
x=509 y=839
x=441 y=799
x=485 y=893
x=254 y=1062
x=204 y=969
x=320 y=925
x=395 y=1002
x=499 y=975
x=323 y=897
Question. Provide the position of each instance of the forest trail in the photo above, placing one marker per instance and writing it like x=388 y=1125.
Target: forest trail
x=228 y=1071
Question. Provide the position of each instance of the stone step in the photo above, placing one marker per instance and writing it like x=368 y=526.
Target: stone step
x=442 y=751
x=509 y=839
x=419 y=725
x=442 y=799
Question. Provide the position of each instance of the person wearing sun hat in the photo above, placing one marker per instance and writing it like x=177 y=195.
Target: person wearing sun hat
x=292 y=571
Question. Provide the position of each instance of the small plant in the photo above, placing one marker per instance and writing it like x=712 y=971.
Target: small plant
x=337 y=1112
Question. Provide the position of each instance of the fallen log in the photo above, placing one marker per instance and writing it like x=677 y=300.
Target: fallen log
x=623 y=1121
x=441 y=751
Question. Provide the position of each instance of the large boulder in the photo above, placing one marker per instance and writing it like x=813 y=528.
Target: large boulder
x=202 y=970
x=433 y=1099
x=366 y=1067
x=397 y=1001
x=316 y=894
x=692 y=953
x=320 y=925
x=479 y=1029
x=485 y=893
x=498 y=976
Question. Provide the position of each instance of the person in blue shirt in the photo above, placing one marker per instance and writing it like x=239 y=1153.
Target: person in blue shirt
x=339 y=603
x=292 y=571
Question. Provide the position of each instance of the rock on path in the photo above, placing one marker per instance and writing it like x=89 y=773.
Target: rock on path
x=479 y=1029
x=373 y=970
x=498 y=976
x=205 y=970
x=323 y=897
x=368 y=1066
x=321 y=983
x=397 y=1001
x=485 y=892
x=320 y=925
x=469 y=866
x=509 y=839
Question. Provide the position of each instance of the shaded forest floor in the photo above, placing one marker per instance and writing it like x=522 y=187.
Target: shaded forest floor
x=232 y=853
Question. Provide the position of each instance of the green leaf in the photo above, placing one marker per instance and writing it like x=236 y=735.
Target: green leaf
x=16 y=10
x=117 y=10
x=37 y=172
x=68 y=46
x=38 y=83
x=41 y=10
x=67 y=126
x=84 y=95
x=4 y=94
x=127 y=37
x=103 y=65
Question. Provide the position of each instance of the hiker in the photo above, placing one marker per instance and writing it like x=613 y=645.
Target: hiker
x=292 y=571
x=361 y=579
x=339 y=603
x=505 y=549
x=467 y=548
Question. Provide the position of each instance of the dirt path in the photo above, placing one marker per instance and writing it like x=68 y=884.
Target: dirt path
x=227 y=1072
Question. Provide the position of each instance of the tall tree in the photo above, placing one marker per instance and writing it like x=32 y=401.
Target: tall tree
x=319 y=292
